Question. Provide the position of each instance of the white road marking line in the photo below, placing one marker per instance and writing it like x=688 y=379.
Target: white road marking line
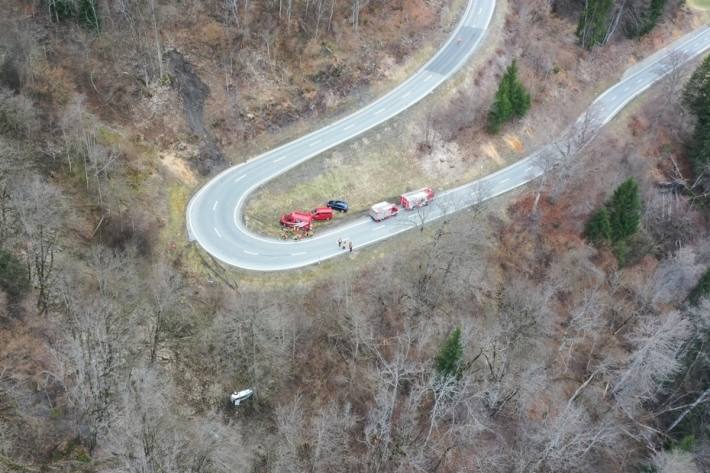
x=612 y=98
x=503 y=181
x=240 y=178
x=214 y=207
x=480 y=10
x=313 y=143
x=217 y=232
x=426 y=78
x=299 y=253
x=378 y=228
x=349 y=127
x=407 y=94
x=639 y=80
x=251 y=252
x=281 y=158
x=380 y=110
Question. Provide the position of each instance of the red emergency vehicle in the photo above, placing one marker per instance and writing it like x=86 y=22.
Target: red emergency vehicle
x=383 y=210
x=418 y=198
x=322 y=213
x=301 y=220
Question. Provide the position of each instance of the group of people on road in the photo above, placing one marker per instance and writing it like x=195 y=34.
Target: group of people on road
x=345 y=244
x=295 y=234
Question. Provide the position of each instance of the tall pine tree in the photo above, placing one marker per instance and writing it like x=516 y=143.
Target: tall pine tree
x=625 y=210
x=653 y=14
x=617 y=221
x=501 y=110
x=519 y=97
x=512 y=100
x=696 y=97
x=598 y=229
x=448 y=361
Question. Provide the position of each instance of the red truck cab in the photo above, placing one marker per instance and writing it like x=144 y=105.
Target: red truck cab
x=302 y=220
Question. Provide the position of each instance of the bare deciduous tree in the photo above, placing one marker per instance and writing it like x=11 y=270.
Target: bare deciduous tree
x=153 y=435
x=92 y=356
x=389 y=377
x=168 y=308
x=40 y=208
x=556 y=161
x=292 y=430
x=563 y=441
x=331 y=432
x=673 y=67
x=657 y=343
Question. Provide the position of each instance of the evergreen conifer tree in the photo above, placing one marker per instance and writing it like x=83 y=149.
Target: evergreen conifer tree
x=519 y=97
x=448 y=361
x=511 y=100
x=653 y=14
x=598 y=229
x=625 y=210
x=696 y=97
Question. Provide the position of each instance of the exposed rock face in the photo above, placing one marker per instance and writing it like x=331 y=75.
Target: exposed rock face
x=193 y=93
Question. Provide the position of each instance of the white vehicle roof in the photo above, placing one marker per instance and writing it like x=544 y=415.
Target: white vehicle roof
x=415 y=195
x=242 y=393
x=378 y=207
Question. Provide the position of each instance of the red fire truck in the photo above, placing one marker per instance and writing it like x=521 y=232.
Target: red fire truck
x=418 y=198
x=301 y=220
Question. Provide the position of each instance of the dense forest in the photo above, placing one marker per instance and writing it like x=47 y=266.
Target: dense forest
x=562 y=328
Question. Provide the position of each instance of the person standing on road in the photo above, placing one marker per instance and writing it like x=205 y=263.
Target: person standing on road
x=350 y=245
x=340 y=243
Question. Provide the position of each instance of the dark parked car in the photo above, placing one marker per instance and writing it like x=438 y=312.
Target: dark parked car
x=339 y=205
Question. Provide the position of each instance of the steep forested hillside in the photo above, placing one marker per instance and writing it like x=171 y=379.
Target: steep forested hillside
x=561 y=328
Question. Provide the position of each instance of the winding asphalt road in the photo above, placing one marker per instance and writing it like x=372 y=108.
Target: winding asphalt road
x=214 y=214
